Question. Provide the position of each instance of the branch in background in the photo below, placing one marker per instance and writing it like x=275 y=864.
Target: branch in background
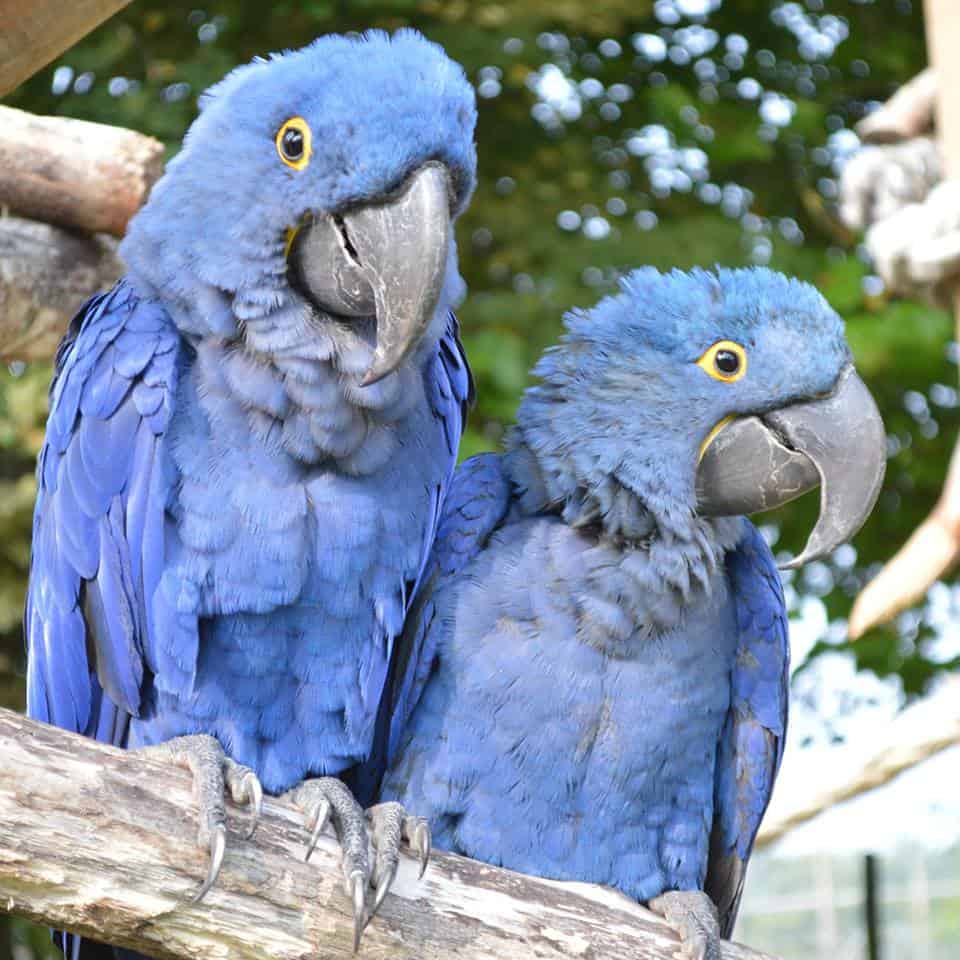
x=917 y=734
x=45 y=275
x=931 y=552
x=104 y=842
x=908 y=113
x=34 y=32
x=934 y=546
x=71 y=173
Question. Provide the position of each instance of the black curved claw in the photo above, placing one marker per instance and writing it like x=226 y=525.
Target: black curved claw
x=422 y=844
x=357 y=893
x=320 y=817
x=384 y=883
x=218 y=847
x=254 y=796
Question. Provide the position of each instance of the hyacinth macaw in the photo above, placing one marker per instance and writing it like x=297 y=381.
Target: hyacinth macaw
x=597 y=667
x=251 y=435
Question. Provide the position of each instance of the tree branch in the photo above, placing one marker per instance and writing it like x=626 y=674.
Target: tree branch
x=920 y=732
x=89 y=176
x=102 y=842
x=74 y=176
x=45 y=275
x=33 y=33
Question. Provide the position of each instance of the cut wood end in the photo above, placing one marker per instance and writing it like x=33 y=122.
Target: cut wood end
x=908 y=113
x=73 y=173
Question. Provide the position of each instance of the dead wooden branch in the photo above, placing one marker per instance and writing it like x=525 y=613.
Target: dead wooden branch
x=934 y=547
x=908 y=113
x=930 y=553
x=34 y=32
x=72 y=173
x=103 y=842
x=46 y=273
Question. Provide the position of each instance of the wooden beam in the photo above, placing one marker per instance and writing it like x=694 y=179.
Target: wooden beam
x=89 y=176
x=46 y=273
x=103 y=842
x=34 y=32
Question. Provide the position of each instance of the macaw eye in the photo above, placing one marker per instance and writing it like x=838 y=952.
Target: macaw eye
x=293 y=143
x=725 y=360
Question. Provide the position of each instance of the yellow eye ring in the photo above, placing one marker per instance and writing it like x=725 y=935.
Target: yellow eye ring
x=725 y=361
x=294 y=143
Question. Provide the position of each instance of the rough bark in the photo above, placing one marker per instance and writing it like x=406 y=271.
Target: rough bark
x=72 y=173
x=103 y=842
x=34 y=32
x=45 y=275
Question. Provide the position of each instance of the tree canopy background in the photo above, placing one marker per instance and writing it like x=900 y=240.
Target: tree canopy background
x=612 y=133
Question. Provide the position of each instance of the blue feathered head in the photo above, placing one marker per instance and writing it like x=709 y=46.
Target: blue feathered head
x=704 y=391
x=308 y=138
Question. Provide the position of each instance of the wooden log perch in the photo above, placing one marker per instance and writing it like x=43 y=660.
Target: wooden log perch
x=34 y=32
x=103 y=842
x=45 y=275
x=89 y=176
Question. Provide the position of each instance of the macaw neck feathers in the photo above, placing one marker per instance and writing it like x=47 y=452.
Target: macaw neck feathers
x=656 y=554
x=304 y=408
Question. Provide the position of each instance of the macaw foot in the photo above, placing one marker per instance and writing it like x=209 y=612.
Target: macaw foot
x=391 y=826
x=375 y=834
x=212 y=771
x=694 y=916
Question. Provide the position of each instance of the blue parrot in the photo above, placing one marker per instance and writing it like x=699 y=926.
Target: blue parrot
x=251 y=436
x=596 y=669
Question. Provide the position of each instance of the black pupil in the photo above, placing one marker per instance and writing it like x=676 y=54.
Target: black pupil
x=727 y=361
x=292 y=144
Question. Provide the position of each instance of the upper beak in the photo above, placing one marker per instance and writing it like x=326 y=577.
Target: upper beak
x=837 y=442
x=386 y=259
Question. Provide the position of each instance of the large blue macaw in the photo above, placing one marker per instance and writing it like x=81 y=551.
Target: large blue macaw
x=251 y=436
x=596 y=669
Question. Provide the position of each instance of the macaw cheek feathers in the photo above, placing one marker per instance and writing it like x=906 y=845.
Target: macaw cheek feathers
x=760 y=462
x=386 y=260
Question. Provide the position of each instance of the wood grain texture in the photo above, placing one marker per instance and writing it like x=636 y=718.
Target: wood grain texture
x=88 y=176
x=34 y=32
x=46 y=273
x=102 y=842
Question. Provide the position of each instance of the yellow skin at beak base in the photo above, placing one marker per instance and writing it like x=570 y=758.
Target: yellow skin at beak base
x=712 y=435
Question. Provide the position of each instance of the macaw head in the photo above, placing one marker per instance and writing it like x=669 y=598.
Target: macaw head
x=310 y=209
x=712 y=394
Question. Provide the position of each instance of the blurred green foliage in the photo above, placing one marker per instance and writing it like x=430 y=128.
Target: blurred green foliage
x=612 y=133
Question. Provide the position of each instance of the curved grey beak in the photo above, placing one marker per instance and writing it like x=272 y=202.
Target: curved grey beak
x=386 y=260
x=837 y=443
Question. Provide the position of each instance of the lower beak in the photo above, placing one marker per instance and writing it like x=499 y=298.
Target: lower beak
x=837 y=442
x=386 y=260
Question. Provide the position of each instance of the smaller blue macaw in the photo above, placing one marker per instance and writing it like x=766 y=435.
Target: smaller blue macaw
x=597 y=666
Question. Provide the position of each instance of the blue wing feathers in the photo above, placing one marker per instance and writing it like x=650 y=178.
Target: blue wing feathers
x=450 y=391
x=99 y=515
x=753 y=736
x=475 y=505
